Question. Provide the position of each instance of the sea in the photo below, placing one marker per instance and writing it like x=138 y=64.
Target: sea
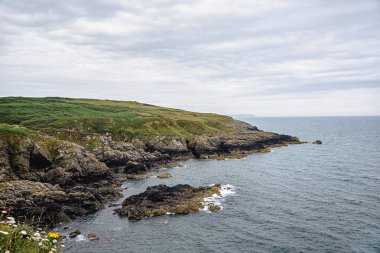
x=300 y=198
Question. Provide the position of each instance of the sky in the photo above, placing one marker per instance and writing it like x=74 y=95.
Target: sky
x=255 y=57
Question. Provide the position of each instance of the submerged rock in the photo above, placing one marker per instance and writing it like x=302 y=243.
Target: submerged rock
x=92 y=237
x=138 y=176
x=165 y=175
x=317 y=142
x=213 y=208
x=74 y=233
x=162 y=199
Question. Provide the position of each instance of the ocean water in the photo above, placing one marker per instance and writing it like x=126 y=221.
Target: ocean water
x=301 y=198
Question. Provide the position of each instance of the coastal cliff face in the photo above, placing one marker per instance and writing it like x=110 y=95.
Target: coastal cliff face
x=44 y=180
x=52 y=175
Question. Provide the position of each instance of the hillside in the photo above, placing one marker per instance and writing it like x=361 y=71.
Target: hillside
x=123 y=119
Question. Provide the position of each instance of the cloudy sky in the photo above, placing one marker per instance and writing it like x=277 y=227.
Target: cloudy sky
x=260 y=57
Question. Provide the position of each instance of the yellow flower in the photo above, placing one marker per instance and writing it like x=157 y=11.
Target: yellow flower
x=53 y=235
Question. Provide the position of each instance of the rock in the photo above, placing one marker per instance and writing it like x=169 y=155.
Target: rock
x=117 y=153
x=213 y=208
x=29 y=170
x=228 y=156
x=138 y=176
x=114 y=204
x=26 y=199
x=161 y=199
x=173 y=145
x=245 y=138
x=74 y=234
x=165 y=175
x=134 y=168
x=317 y=142
x=92 y=237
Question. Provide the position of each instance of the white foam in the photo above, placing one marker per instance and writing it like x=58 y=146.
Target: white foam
x=216 y=199
x=79 y=238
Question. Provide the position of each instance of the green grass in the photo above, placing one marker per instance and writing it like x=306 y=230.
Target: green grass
x=123 y=119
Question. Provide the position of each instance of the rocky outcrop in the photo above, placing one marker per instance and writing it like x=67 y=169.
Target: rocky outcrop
x=135 y=168
x=174 y=146
x=48 y=181
x=162 y=199
x=43 y=203
x=116 y=154
x=245 y=138
x=319 y=142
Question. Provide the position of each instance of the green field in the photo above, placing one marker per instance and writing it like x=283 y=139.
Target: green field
x=123 y=119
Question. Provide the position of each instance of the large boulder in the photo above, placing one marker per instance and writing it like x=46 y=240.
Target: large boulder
x=135 y=168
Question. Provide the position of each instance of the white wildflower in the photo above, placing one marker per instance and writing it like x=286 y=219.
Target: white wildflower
x=23 y=232
x=37 y=234
x=4 y=212
x=4 y=232
x=62 y=245
x=7 y=251
x=11 y=220
x=54 y=241
x=40 y=244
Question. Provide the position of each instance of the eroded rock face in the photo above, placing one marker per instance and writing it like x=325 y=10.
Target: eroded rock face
x=172 y=145
x=161 y=199
x=53 y=181
x=43 y=203
x=116 y=154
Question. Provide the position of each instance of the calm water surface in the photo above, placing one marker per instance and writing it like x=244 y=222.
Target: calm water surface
x=301 y=198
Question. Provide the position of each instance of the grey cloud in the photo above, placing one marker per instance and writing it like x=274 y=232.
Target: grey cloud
x=228 y=48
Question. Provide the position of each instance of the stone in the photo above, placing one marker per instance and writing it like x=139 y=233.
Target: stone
x=138 y=176
x=92 y=237
x=213 y=208
x=134 y=168
x=74 y=234
x=165 y=175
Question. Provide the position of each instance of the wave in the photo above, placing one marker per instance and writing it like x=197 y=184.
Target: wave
x=216 y=199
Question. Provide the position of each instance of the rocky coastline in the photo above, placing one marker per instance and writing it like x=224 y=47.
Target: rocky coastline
x=45 y=180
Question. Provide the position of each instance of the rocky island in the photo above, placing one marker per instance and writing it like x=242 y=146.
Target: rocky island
x=161 y=199
x=61 y=158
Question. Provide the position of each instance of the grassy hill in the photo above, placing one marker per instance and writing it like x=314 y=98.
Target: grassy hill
x=123 y=119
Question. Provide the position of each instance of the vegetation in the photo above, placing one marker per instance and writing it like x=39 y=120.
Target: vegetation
x=123 y=119
x=19 y=238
